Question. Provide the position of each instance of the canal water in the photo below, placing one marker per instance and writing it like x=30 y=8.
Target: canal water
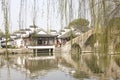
x=29 y=67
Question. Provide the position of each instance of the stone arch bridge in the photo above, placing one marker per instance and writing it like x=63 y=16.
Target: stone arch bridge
x=81 y=39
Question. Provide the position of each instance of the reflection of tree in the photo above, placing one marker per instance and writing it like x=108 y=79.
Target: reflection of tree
x=92 y=64
x=8 y=68
x=104 y=62
x=1 y=61
x=80 y=74
x=98 y=64
x=117 y=60
x=114 y=31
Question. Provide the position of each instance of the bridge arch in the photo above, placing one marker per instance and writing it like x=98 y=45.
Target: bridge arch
x=81 y=39
x=92 y=40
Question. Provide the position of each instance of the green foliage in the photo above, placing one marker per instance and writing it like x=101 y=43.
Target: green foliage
x=117 y=47
x=115 y=22
x=114 y=26
x=2 y=34
x=78 y=23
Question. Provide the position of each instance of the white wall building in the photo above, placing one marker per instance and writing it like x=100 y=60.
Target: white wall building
x=19 y=42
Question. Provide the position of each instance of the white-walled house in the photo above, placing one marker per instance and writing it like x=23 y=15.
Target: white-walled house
x=28 y=31
x=33 y=28
x=62 y=32
x=53 y=32
x=10 y=43
x=18 y=33
x=21 y=39
x=66 y=29
x=13 y=36
x=45 y=41
x=19 y=42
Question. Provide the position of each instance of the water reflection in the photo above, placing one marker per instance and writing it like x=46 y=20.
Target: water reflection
x=117 y=60
x=36 y=67
x=27 y=67
x=99 y=65
x=92 y=64
x=86 y=67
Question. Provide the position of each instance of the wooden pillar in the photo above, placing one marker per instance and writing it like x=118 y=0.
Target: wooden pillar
x=48 y=41
x=49 y=53
x=36 y=52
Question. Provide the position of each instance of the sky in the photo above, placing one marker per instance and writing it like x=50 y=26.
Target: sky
x=42 y=19
x=27 y=16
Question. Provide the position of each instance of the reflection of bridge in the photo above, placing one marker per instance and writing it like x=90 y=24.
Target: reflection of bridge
x=94 y=65
x=81 y=39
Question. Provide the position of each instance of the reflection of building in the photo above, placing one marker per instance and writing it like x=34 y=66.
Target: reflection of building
x=32 y=66
x=19 y=61
x=37 y=67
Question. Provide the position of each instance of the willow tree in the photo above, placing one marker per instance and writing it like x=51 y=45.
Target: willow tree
x=2 y=34
x=48 y=15
x=92 y=11
x=101 y=14
x=33 y=36
x=79 y=8
x=6 y=21
x=107 y=16
x=114 y=29
x=62 y=8
x=20 y=14
x=79 y=24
